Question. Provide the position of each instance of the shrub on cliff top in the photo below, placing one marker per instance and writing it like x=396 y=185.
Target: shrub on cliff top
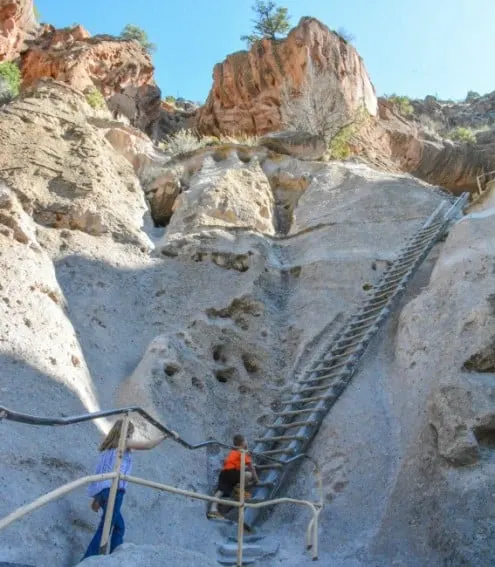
x=135 y=32
x=270 y=20
x=472 y=95
x=10 y=81
x=402 y=103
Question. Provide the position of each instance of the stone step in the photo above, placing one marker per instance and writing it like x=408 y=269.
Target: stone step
x=251 y=552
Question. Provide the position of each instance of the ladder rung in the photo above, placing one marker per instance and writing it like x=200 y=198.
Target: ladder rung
x=339 y=365
x=361 y=321
x=264 y=484
x=271 y=466
x=315 y=388
x=387 y=292
x=276 y=438
x=291 y=425
x=345 y=348
x=309 y=400
x=297 y=412
x=351 y=337
x=329 y=376
x=371 y=308
x=277 y=452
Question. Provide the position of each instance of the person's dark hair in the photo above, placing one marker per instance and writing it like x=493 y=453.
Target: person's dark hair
x=238 y=440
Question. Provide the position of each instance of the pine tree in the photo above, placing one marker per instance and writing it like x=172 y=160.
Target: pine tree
x=270 y=20
x=135 y=32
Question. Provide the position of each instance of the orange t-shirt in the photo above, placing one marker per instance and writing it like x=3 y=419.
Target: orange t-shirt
x=233 y=461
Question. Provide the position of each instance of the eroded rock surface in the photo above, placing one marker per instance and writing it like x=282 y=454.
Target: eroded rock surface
x=245 y=97
x=17 y=24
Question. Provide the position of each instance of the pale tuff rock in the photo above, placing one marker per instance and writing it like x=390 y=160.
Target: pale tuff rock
x=130 y=555
x=68 y=180
x=228 y=194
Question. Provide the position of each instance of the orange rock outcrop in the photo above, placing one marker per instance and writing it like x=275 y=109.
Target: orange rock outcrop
x=246 y=92
x=17 y=23
x=70 y=55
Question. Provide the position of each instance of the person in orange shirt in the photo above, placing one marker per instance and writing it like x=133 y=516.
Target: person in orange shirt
x=230 y=475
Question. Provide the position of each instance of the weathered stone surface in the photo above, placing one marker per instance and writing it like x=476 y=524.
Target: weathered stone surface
x=70 y=55
x=296 y=144
x=227 y=194
x=129 y=142
x=245 y=97
x=67 y=182
x=17 y=23
x=174 y=117
x=446 y=503
x=141 y=105
x=394 y=142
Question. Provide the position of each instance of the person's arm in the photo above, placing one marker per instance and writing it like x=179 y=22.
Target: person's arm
x=252 y=470
x=144 y=445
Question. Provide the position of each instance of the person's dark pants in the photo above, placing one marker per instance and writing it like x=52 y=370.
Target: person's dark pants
x=117 y=528
x=227 y=480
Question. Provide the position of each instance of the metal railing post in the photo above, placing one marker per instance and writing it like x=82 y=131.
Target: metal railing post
x=105 y=536
x=240 y=517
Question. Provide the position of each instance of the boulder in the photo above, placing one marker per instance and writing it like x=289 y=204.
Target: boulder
x=301 y=145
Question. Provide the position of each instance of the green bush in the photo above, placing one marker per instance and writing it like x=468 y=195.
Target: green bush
x=464 y=135
x=270 y=21
x=472 y=95
x=10 y=79
x=402 y=103
x=95 y=99
x=135 y=32
x=339 y=146
x=170 y=99
x=183 y=141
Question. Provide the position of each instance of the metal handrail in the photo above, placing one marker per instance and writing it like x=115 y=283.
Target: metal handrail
x=116 y=476
x=311 y=532
x=28 y=419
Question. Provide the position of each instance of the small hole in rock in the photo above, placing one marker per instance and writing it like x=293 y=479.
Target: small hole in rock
x=367 y=286
x=250 y=363
x=171 y=369
x=217 y=353
x=225 y=374
x=197 y=383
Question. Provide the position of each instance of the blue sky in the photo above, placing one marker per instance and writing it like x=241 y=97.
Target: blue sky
x=415 y=48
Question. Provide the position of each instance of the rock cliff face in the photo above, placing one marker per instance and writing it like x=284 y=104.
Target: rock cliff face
x=72 y=56
x=245 y=97
x=121 y=70
x=207 y=322
x=17 y=23
x=397 y=143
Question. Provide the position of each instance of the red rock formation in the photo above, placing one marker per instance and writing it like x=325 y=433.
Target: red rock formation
x=17 y=23
x=245 y=97
x=70 y=55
